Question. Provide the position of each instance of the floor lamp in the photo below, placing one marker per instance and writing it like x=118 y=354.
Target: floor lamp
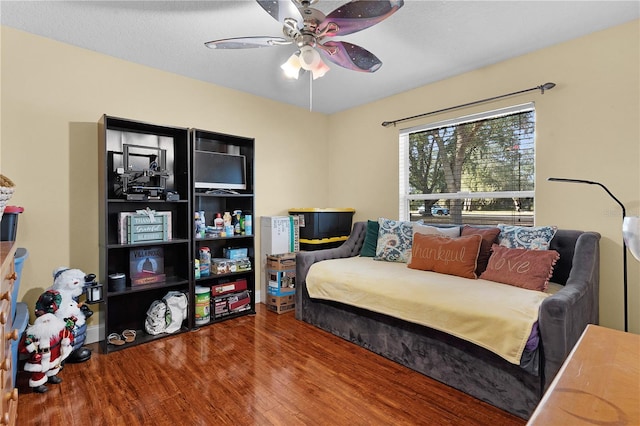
x=624 y=242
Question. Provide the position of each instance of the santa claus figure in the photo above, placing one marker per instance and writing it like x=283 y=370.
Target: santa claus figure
x=48 y=341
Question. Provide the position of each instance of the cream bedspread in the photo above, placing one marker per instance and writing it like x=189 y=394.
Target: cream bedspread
x=495 y=316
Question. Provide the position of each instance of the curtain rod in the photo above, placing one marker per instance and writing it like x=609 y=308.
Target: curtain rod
x=542 y=88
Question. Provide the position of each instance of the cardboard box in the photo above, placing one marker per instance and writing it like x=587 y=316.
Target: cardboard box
x=229 y=304
x=243 y=264
x=221 y=266
x=235 y=253
x=281 y=309
x=229 y=287
x=280 y=304
x=280 y=234
x=281 y=283
x=281 y=261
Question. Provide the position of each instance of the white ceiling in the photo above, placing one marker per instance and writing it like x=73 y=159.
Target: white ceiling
x=423 y=42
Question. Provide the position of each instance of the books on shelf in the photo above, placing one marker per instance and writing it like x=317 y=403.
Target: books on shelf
x=146 y=265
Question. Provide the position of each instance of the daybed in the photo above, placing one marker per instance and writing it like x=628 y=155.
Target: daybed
x=456 y=362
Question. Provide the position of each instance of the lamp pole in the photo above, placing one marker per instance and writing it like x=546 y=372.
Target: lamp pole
x=624 y=244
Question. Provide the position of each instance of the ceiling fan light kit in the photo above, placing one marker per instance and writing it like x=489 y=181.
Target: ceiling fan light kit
x=307 y=27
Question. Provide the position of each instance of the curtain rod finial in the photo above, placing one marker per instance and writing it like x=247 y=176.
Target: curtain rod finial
x=546 y=86
x=388 y=123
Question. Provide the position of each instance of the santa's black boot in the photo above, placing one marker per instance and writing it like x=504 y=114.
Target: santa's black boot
x=40 y=389
x=54 y=379
x=81 y=354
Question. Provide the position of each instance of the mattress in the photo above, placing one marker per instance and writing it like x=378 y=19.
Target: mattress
x=495 y=316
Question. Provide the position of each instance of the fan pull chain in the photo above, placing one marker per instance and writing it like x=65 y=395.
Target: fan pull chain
x=310 y=91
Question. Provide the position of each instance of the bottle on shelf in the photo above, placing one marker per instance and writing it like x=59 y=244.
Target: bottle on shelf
x=237 y=215
x=205 y=261
x=228 y=227
x=200 y=224
x=248 y=225
x=218 y=222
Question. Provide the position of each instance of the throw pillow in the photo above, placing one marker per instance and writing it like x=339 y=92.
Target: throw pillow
x=527 y=237
x=394 y=240
x=489 y=237
x=453 y=231
x=530 y=269
x=370 y=239
x=453 y=256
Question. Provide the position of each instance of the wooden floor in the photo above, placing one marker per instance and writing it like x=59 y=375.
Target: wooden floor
x=266 y=369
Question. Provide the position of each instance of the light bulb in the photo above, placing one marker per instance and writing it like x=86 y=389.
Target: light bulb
x=309 y=58
x=291 y=67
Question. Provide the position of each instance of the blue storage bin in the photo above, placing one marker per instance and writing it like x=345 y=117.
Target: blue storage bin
x=20 y=322
x=20 y=310
x=20 y=256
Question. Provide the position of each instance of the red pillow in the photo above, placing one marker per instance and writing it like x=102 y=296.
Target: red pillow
x=453 y=256
x=489 y=237
x=530 y=269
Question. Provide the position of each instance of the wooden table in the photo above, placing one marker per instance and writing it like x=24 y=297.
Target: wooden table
x=598 y=384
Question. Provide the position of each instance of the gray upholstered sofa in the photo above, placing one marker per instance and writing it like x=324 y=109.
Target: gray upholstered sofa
x=458 y=363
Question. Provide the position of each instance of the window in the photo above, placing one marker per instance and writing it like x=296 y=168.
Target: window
x=475 y=170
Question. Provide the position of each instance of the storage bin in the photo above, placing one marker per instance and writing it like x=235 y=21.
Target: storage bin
x=9 y=223
x=19 y=258
x=322 y=228
x=20 y=323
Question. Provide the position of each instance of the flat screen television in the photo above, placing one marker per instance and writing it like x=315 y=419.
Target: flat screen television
x=217 y=170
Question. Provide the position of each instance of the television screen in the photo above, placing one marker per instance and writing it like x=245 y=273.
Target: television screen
x=216 y=170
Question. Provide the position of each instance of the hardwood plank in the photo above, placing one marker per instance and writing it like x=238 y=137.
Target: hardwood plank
x=266 y=369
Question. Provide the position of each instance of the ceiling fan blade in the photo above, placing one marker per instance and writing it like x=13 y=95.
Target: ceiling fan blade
x=350 y=56
x=358 y=15
x=281 y=10
x=246 y=42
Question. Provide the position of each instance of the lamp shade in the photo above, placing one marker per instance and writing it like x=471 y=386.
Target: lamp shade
x=631 y=234
x=320 y=70
x=292 y=66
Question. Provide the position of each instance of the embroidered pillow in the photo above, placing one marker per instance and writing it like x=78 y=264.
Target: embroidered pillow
x=489 y=237
x=527 y=237
x=452 y=232
x=394 y=240
x=370 y=239
x=453 y=256
x=530 y=269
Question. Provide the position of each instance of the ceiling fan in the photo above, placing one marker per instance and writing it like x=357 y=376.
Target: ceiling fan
x=307 y=28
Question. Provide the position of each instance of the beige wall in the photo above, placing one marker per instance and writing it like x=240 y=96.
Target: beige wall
x=53 y=95
x=587 y=128
x=52 y=98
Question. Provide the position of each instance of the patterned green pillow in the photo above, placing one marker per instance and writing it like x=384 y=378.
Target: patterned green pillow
x=394 y=240
x=527 y=237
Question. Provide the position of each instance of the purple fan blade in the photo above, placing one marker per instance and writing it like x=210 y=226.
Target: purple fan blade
x=246 y=42
x=350 y=56
x=281 y=10
x=358 y=15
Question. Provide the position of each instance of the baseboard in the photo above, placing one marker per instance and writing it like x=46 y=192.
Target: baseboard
x=93 y=334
